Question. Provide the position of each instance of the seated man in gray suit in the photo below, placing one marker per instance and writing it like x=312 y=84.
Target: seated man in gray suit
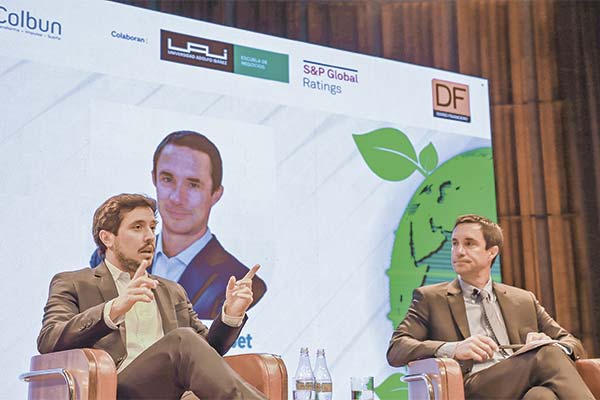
x=146 y=323
x=473 y=320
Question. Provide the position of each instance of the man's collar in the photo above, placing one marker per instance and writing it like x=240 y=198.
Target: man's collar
x=115 y=272
x=467 y=288
x=191 y=251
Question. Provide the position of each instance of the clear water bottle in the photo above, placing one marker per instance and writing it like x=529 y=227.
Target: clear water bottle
x=323 y=384
x=304 y=380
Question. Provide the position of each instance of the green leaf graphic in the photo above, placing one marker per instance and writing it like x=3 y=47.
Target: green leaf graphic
x=428 y=158
x=392 y=389
x=388 y=153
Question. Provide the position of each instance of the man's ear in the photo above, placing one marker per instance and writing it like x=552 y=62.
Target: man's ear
x=107 y=238
x=493 y=251
x=216 y=195
x=153 y=173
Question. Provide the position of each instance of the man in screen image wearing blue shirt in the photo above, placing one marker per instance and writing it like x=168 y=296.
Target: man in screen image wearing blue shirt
x=187 y=173
x=480 y=323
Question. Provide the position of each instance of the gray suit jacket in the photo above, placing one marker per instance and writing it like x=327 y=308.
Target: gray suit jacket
x=437 y=315
x=73 y=315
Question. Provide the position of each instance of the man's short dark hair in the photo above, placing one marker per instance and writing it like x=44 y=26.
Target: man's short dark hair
x=492 y=233
x=194 y=141
x=109 y=215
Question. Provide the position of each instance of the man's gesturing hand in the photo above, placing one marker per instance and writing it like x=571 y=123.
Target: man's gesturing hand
x=478 y=348
x=139 y=289
x=238 y=295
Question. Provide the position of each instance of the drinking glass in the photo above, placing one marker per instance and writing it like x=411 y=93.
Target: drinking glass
x=362 y=388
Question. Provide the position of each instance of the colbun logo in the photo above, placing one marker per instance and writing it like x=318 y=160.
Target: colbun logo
x=29 y=22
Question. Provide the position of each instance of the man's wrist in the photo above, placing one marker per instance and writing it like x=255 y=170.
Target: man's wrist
x=112 y=324
x=230 y=320
x=447 y=350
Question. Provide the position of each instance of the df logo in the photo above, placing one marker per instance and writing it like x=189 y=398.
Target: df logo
x=451 y=100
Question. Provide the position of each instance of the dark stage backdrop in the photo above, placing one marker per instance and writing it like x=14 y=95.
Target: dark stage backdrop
x=543 y=64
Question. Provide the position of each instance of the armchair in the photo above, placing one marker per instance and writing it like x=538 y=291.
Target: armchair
x=441 y=378
x=89 y=374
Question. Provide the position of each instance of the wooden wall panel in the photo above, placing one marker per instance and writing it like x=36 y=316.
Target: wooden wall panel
x=521 y=52
x=591 y=58
x=494 y=49
x=443 y=34
x=503 y=124
x=575 y=49
x=545 y=50
x=467 y=24
x=390 y=30
x=348 y=24
x=212 y=10
x=295 y=17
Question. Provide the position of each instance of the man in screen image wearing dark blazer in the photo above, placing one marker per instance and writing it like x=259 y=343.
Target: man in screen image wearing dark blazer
x=473 y=320
x=146 y=323
x=187 y=173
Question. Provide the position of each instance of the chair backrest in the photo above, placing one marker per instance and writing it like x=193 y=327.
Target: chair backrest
x=435 y=378
x=91 y=373
x=589 y=369
x=266 y=372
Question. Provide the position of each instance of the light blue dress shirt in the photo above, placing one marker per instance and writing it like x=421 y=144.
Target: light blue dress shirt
x=172 y=268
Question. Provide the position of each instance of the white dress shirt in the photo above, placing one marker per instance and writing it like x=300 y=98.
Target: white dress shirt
x=476 y=324
x=142 y=322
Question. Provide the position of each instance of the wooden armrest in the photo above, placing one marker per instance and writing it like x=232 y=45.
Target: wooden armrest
x=83 y=374
x=434 y=378
x=589 y=369
x=266 y=372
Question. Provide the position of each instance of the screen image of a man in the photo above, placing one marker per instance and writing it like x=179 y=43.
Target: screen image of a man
x=478 y=322
x=187 y=173
x=146 y=323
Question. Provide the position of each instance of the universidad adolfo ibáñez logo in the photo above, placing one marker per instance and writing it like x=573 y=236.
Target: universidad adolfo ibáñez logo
x=195 y=51
x=29 y=22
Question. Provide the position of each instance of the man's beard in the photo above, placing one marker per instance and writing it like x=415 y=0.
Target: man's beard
x=128 y=264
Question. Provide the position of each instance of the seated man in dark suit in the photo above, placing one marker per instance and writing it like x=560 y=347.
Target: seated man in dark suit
x=473 y=320
x=146 y=323
x=187 y=173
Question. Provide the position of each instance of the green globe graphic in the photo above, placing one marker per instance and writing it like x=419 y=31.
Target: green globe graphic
x=421 y=253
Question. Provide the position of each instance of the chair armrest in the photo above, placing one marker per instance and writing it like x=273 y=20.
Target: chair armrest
x=589 y=369
x=84 y=374
x=266 y=372
x=434 y=378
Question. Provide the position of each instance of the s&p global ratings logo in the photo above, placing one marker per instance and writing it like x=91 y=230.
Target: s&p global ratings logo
x=29 y=22
x=451 y=100
x=192 y=50
x=328 y=78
